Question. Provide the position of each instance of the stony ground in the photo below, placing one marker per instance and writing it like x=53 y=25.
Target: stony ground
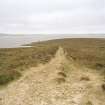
x=60 y=82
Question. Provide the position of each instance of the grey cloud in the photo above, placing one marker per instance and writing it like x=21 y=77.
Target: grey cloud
x=35 y=16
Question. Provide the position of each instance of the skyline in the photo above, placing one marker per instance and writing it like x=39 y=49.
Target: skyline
x=54 y=16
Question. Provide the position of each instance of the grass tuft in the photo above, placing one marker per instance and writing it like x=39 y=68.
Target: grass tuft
x=62 y=74
x=6 y=78
x=89 y=103
x=85 y=78
x=103 y=87
x=60 y=80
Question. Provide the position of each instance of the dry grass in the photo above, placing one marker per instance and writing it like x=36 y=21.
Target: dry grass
x=48 y=84
x=15 y=60
x=85 y=78
x=62 y=74
x=59 y=80
x=87 y=52
x=89 y=103
x=103 y=87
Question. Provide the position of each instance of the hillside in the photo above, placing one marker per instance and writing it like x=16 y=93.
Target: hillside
x=58 y=82
x=86 y=52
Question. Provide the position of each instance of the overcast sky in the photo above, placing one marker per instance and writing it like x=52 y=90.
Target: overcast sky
x=52 y=16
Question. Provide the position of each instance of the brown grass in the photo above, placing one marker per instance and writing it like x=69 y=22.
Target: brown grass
x=87 y=52
x=62 y=74
x=15 y=60
x=103 y=87
x=89 y=103
x=59 y=80
x=85 y=78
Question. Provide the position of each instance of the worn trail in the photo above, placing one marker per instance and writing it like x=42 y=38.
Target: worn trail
x=59 y=82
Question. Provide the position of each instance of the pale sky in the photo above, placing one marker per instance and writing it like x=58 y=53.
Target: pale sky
x=52 y=16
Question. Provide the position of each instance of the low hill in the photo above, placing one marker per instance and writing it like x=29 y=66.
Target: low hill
x=86 y=52
x=61 y=81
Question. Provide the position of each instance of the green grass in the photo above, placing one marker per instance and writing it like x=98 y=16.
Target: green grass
x=87 y=52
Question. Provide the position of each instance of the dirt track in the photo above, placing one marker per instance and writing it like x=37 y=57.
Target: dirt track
x=60 y=82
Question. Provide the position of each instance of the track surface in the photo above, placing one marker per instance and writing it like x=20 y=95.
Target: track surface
x=59 y=82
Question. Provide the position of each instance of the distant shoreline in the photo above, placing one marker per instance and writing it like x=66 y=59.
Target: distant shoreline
x=18 y=41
